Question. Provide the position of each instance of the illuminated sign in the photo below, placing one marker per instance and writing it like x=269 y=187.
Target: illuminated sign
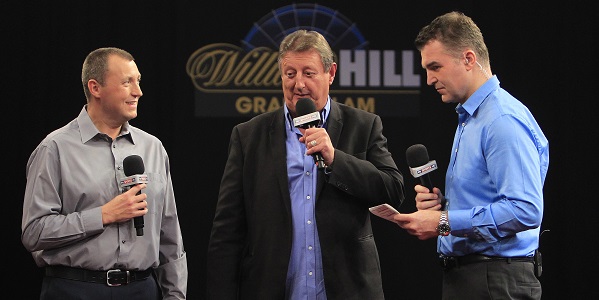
x=244 y=80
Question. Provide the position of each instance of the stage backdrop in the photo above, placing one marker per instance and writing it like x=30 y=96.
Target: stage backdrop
x=208 y=65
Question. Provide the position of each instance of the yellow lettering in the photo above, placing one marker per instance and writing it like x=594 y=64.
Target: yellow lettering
x=243 y=105
x=367 y=105
x=349 y=102
x=363 y=104
x=274 y=104
x=259 y=103
x=256 y=104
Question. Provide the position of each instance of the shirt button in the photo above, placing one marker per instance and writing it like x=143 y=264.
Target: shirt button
x=123 y=241
x=113 y=146
x=310 y=273
x=309 y=222
x=308 y=197
x=309 y=247
x=308 y=173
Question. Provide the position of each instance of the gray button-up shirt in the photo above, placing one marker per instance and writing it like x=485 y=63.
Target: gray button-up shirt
x=71 y=174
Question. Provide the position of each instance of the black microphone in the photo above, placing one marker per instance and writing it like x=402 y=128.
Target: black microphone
x=133 y=166
x=308 y=118
x=420 y=166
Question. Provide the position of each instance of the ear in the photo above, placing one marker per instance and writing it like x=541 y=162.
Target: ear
x=94 y=87
x=332 y=72
x=469 y=57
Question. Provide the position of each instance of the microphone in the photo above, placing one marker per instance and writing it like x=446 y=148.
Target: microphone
x=308 y=118
x=133 y=166
x=420 y=166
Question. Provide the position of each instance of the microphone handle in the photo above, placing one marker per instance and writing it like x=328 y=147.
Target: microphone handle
x=138 y=222
x=425 y=180
x=318 y=157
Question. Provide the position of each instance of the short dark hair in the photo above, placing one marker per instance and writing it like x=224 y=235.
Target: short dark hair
x=456 y=32
x=96 y=65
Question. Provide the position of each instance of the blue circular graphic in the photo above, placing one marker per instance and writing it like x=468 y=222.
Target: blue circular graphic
x=269 y=31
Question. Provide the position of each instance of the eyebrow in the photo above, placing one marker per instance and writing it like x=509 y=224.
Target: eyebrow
x=430 y=64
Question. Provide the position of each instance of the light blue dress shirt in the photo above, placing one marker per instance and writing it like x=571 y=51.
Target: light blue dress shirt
x=494 y=181
x=305 y=279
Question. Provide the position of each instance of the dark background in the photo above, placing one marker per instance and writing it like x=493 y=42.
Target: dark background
x=544 y=54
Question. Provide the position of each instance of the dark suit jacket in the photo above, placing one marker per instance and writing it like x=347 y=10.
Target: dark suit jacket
x=250 y=243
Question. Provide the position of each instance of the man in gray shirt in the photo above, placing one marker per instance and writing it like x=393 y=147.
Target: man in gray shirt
x=77 y=213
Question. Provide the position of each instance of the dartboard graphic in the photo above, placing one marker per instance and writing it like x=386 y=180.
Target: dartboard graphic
x=269 y=31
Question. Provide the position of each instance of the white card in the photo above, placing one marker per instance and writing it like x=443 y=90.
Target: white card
x=384 y=211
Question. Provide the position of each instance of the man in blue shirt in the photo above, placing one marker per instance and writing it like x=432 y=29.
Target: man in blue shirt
x=488 y=234
x=285 y=228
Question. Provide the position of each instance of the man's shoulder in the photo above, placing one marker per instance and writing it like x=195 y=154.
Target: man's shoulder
x=65 y=132
x=346 y=111
x=263 y=119
x=141 y=135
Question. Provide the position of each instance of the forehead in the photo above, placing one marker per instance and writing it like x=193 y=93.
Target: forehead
x=434 y=51
x=302 y=60
x=121 y=66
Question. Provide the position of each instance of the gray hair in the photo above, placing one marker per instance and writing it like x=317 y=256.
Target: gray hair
x=303 y=40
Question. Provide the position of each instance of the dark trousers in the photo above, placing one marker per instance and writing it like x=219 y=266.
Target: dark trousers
x=491 y=280
x=54 y=288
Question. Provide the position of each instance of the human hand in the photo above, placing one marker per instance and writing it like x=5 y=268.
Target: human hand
x=427 y=200
x=125 y=206
x=422 y=223
x=318 y=140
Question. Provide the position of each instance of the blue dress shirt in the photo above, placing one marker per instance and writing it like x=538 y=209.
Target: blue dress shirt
x=305 y=279
x=494 y=181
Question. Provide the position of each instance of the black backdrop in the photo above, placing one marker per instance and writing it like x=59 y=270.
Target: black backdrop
x=543 y=54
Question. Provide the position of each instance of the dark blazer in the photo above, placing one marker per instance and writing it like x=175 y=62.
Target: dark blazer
x=250 y=243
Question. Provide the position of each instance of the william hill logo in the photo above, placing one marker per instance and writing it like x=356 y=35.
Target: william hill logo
x=233 y=80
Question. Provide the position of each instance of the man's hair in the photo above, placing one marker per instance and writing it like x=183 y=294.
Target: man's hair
x=303 y=40
x=456 y=32
x=96 y=65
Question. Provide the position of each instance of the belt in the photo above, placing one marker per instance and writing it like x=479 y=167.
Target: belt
x=114 y=277
x=448 y=262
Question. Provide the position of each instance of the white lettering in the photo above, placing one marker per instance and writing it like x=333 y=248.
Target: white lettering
x=355 y=66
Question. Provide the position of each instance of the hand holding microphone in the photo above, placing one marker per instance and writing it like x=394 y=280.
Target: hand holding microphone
x=420 y=166
x=133 y=166
x=309 y=117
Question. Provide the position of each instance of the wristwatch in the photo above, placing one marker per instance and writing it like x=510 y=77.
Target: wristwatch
x=443 y=229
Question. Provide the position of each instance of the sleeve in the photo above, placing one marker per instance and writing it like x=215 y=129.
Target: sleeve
x=43 y=226
x=513 y=163
x=372 y=168
x=172 y=273
x=228 y=232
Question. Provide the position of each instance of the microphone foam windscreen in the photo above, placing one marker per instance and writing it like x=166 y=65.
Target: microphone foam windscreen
x=305 y=106
x=133 y=165
x=417 y=155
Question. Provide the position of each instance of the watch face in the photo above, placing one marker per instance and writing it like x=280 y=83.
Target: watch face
x=444 y=229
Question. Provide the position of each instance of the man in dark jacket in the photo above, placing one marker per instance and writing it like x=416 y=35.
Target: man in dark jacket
x=285 y=228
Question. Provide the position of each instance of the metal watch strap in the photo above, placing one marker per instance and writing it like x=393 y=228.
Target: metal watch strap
x=443 y=229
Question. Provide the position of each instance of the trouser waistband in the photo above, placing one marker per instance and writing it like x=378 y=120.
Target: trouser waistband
x=113 y=277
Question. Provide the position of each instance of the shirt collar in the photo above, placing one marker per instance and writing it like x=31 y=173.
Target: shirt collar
x=88 y=130
x=478 y=97
x=324 y=114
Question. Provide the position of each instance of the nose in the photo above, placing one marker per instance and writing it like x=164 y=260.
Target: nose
x=137 y=90
x=299 y=84
x=430 y=79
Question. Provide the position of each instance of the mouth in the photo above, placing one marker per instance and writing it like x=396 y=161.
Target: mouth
x=303 y=96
